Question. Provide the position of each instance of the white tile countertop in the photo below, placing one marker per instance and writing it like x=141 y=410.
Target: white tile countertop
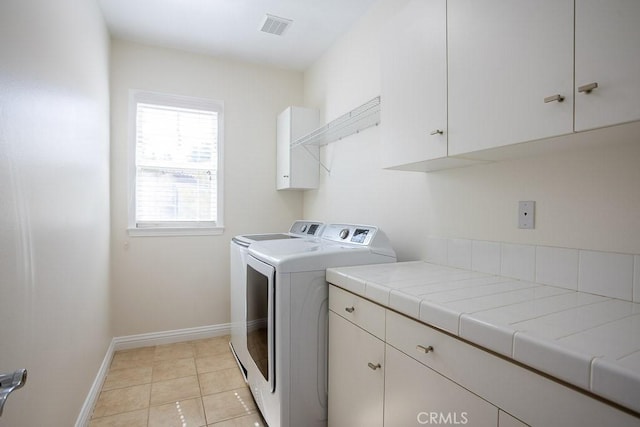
x=590 y=341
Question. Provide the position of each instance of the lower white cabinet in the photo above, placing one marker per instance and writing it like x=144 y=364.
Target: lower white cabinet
x=506 y=420
x=411 y=374
x=356 y=375
x=417 y=395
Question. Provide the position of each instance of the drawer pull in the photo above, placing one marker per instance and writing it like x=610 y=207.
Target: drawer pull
x=350 y=309
x=424 y=349
x=374 y=367
x=588 y=88
x=552 y=98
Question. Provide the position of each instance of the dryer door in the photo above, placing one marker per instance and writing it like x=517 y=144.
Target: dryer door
x=260 y=319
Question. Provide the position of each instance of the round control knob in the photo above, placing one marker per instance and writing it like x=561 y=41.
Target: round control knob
x=304 y=228
x=344 y=233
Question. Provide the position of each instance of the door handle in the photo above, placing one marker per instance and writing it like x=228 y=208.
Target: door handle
x=588 y=88
x=552 y=98
x=9 y=383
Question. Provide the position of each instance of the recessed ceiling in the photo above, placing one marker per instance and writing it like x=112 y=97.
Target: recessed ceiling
x=232 y=28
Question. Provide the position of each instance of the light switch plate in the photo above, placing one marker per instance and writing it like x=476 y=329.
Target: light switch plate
x=526 y=214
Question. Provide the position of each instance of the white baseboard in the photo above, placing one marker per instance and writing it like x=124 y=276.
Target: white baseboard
x=137 y=341
x=170 y=337
x=94 y=392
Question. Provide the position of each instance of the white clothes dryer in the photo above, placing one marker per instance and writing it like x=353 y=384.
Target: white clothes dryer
x=238 y=268
x=287 y=318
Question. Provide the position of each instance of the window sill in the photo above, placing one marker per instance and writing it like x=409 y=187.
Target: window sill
x=179 y=231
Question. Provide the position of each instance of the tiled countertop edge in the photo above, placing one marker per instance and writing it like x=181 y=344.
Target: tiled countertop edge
x=594 y=374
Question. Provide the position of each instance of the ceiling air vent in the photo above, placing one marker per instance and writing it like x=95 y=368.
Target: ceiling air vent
x=275 y=25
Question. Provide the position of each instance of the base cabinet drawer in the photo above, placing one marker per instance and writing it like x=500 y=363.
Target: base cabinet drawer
x=364 y=313
x=416 y=395
x=532 y=398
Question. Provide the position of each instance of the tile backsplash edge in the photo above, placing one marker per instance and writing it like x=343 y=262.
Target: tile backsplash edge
x=609 y=274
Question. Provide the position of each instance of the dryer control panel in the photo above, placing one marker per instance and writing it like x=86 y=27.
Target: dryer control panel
x=361 y=235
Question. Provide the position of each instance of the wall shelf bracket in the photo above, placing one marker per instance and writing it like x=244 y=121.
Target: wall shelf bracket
x=356 y=120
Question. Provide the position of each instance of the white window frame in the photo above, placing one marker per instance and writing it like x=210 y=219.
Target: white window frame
x=164 y=228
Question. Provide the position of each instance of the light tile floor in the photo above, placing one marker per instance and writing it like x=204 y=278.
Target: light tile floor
x=187 y=384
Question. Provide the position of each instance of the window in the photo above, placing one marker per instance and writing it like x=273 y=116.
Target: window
x=176 y=146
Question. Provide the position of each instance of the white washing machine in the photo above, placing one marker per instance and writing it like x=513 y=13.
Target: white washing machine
x=286 y=318
x=238 y=268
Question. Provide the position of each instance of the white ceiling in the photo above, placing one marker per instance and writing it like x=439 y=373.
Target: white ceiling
x=230 y=28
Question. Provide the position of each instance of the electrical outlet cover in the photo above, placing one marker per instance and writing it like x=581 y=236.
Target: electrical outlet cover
x=526 y=214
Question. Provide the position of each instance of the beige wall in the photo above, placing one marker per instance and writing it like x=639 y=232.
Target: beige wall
x=586 y=198
x=54 y=205
x=166 y=283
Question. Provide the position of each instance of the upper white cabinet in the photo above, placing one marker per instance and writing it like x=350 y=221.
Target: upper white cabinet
x=414 y=84
x=510 y=72
x=297 y=168
x=414 y=88
x=471 y=80
x=608 y=54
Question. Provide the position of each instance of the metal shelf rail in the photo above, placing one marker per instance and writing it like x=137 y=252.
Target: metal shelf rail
x=356 y=120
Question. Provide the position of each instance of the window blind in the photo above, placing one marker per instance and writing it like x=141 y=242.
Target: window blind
x=176 y=166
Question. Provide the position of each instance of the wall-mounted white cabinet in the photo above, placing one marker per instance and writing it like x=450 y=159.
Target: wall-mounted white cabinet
x=505 y=58
x=414 y=84
x=511 y=69
x=297 y=168
x=414 y=89
x=608 y=54
x=516 y=72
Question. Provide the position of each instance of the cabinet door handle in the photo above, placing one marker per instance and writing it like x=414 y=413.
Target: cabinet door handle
x=556 y=97
x=374 y=367
x=437 y=132
x=588 y=88
x=424 y=349
x=350 y=309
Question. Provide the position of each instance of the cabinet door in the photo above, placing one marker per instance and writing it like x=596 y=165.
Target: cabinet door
x=414 y=84
x=297 y=168
x=416 y=395
x=506 y=420
x=505 y=58
x=356 y=390
x=607 y=53
x=283 y=151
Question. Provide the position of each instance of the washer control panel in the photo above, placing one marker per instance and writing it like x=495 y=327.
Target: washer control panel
x=307 y=228
x=349 y=233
